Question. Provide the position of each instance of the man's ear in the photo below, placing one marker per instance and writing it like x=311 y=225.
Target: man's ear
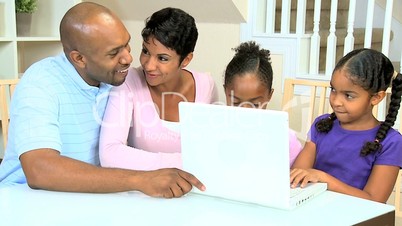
x=378 y=97
x=77 y=59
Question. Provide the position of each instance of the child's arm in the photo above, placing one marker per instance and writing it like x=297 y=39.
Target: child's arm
x=299 y=173
x=306 y=157
x=378 y=187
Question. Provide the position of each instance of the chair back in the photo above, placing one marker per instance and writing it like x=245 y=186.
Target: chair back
x=397 y=188
x=397 y=195
x=7 y=87
x=305 y=96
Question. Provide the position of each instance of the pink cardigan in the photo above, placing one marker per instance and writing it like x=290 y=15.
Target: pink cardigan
x=294 y=147
x=132 y=134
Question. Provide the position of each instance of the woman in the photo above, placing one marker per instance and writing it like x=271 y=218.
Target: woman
x=139 y=129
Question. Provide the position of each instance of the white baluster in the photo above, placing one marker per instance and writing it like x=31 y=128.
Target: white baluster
x=350 y=39
x=382 y=108
x=387 y=27
x=331 y=41
x=400 y=66
x=315 y=40
x=270 y=14
x=369 y=24
x=285 y=19
x=301 y=17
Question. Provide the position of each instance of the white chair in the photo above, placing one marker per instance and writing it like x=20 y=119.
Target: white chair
x=397 y=200
x=397 y=188
x=6 y=91
x=295 y=90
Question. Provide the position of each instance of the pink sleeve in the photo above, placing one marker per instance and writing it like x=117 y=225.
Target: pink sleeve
x=214 y=94
x=206 y=91
x=294 y=146
x=113 y=149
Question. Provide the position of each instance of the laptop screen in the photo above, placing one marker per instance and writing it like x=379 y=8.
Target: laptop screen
x=238 y=153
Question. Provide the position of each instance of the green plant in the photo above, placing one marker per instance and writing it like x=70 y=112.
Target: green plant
x=26 y=6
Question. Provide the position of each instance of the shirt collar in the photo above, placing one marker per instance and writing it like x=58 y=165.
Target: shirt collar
x=77 y=79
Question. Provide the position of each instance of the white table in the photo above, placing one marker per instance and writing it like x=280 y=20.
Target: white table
x=20 y=205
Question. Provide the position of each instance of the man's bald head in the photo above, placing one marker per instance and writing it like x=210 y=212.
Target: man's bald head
x=83 y=22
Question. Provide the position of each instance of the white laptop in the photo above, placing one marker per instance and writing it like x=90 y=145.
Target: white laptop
x=241 y=154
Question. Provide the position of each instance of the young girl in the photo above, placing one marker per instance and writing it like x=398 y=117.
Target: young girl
x=248 y=83
x=350 y=149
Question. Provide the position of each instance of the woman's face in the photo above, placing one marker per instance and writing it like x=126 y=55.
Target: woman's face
x=247 y=91
x=160 y=63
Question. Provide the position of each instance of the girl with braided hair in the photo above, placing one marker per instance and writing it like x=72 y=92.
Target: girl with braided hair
x=350 y=149
x=248 y=83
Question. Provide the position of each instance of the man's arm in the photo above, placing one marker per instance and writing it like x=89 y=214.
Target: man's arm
x=47 y=169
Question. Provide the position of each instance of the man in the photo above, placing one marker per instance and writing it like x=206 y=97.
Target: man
x=55 y=112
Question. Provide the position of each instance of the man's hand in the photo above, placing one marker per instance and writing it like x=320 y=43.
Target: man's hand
x=169 y=183
x=47 y=169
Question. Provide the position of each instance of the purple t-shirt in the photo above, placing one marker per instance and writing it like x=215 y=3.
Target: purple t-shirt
x=338 y=152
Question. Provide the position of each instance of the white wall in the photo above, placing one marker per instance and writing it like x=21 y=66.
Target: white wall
x=214 y=50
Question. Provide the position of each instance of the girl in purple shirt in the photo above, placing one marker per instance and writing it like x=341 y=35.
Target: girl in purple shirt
x=350 y=149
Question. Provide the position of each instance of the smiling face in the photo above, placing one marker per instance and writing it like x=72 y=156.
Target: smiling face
x=247 y=91
x=161 y=64
x=351 y=103
x=102 y=52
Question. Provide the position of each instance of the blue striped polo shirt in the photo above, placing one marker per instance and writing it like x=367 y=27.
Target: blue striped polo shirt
x=53 y=107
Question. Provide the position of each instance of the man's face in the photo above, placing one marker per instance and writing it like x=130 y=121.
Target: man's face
x=106 y=53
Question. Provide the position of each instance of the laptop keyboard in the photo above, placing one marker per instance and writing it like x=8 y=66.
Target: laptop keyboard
x=295 y=191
